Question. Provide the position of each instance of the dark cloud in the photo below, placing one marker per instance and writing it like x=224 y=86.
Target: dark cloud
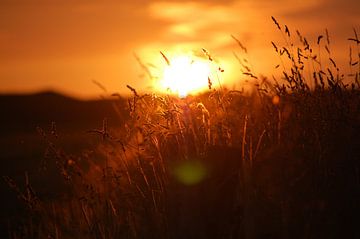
x=329 y=10
x=46 y=30
x=133 y=2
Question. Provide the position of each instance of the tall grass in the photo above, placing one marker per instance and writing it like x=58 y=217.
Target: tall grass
x=280 y=162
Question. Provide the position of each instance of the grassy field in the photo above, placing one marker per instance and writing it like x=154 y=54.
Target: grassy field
x=280 y=161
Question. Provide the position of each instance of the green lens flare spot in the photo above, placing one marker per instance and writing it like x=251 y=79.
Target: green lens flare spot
x=190 y=172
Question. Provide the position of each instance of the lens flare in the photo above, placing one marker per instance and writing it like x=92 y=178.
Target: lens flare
x=190 y=172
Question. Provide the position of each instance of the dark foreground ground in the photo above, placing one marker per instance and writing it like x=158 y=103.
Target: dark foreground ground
x=22 y=148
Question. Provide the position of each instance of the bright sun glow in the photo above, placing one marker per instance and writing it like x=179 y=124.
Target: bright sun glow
x=185 y=75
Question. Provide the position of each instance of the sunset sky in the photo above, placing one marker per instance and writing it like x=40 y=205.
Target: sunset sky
x=64 y=45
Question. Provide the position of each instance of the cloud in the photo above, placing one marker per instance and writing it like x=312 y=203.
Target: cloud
x=199 y=21
x=193 y=19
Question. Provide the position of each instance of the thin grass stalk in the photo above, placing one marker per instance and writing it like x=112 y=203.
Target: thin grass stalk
x=244 y=139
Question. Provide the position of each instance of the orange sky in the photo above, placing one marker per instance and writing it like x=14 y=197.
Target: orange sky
x=65 y=44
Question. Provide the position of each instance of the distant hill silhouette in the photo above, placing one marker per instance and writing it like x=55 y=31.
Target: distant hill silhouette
x=23 y=113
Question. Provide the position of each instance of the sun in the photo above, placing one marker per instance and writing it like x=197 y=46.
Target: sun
x=185 y=75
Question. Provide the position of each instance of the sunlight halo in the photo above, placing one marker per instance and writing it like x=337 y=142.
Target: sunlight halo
x=185 y=75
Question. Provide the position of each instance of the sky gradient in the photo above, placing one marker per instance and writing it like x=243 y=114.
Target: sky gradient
x=64 y=45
